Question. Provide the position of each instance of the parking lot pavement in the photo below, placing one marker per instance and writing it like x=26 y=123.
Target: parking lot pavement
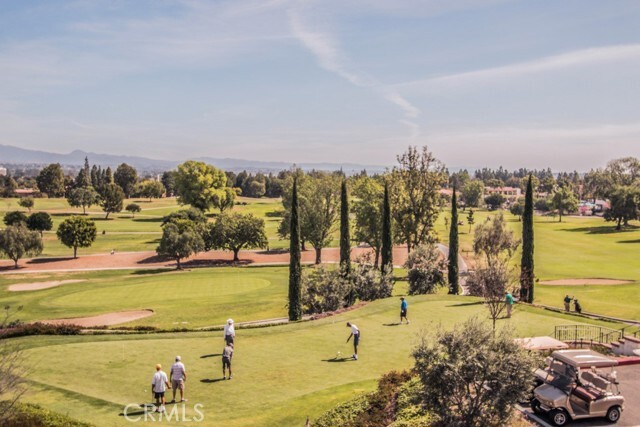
x=629 y=377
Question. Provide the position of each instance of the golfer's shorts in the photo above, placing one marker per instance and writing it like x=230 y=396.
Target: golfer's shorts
x=177 y=384
x=403 y=313
x=228 y=339
x=356 y=339
x=158 y=395
x=226 y=363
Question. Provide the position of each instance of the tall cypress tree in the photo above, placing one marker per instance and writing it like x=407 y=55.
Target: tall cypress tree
x=526 y=265
x=387 y=241
x=452 y=264
x=345 y=237
x=295 y=290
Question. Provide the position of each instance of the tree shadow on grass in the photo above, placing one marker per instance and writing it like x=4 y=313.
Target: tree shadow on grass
x=48 y=260
x=209 y=381
x=465 y=304
x=150 y=271
x=391 y=324
x=629 y=241
x=205 y=356
x=604 y=229
x=339 y=359
x=146 y=407
x=158 y=219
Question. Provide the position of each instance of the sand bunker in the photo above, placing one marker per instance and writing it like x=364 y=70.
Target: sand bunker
x=103 y=319
x=41 y=285
x=580 y=282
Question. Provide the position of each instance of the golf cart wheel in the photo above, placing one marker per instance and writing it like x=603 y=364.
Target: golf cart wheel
x=535 y=406
x=613 y=414
x=559 y=417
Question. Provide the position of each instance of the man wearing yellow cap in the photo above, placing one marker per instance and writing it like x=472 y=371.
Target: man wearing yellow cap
x=159 y=384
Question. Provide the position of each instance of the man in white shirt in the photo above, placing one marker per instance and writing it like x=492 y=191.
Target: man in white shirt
x=177 y=376
x=159 y=384
x=355 y=333
x=229 y=332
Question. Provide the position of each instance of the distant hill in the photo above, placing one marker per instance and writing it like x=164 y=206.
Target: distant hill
x=10 y=155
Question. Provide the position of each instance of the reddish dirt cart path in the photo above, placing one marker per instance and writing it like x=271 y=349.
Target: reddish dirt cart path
x=133 y=260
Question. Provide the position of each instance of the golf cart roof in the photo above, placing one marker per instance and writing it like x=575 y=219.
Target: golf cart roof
x=541 y=343
x=583 y=358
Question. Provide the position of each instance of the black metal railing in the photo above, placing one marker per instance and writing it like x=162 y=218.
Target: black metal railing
x=588 y=333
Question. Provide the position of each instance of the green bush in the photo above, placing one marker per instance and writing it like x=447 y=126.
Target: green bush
x=26 y=329
x=27 y=414
x=344 y=414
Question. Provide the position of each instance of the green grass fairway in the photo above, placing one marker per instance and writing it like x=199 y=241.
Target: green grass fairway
x=187 y=299
x=281 y=374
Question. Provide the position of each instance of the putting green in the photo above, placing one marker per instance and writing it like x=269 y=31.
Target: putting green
x=281 y=374
x=188 y=299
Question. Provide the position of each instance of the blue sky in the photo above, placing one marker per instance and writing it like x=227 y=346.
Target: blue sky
x=481 y=82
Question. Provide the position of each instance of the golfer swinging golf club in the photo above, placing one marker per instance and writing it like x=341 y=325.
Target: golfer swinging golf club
x=355 y=333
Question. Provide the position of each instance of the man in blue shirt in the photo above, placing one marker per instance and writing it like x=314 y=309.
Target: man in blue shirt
x=403 y=310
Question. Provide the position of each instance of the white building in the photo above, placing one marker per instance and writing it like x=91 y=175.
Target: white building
x=3 y=171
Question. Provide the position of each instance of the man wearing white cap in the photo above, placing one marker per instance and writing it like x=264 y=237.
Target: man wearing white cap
x=229 y=332
x=178 y=376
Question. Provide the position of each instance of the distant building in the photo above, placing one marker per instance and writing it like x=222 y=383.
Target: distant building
x=3 y=171
x=508 y=192
x=24 y=192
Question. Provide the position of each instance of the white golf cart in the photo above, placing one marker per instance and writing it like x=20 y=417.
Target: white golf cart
x=578 y=384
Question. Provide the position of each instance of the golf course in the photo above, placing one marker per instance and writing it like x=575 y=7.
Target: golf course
x=283 y=373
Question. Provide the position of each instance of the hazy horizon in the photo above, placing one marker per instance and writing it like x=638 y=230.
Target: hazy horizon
x=481 y=83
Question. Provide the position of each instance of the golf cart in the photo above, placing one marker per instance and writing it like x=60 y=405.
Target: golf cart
x=578 y=384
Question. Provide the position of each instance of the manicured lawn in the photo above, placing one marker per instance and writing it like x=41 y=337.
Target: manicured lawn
x=188 y=299
x=281 y=374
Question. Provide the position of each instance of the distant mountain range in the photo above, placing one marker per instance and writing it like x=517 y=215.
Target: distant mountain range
x=10 y=155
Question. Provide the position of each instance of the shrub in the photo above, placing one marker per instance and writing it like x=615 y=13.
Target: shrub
x=27 y=414
x=25 y=329
x=324 y=290
x=369 y=283
x=344 y=414
x=425 y=270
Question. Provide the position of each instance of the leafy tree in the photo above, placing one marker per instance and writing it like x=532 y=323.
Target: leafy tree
x=470 y=219
x=12 y=372
x=8 y=186
x=367 y=211
x=624 y=205
x=191 y=214
x=490 y=281
x=387 y=238
x=16 y=242
x=27 y=203
x=345 y=239
x=368 y=282
x=84 y=197
x=126 y=177
x=494 y=201
x=150 y=189
x=169 y=182
x=471 y=377
x=202 y=186
x=39 y=221
x=133 y=208
x=425 y=270
x=15 y=218
x=295 y=289
x=112 y=199
x=452 y=259
x=50 y=180
x=517 y=209
x=319 y=197
x=494 y=240
x=459 y=179
x=415 y=186
x=526 y=263
x=235 y=231
x=179 y=241
x=77 y=232
x=472 y=193
x=564 y=200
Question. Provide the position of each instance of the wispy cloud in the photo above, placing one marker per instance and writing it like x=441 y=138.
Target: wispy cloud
x=577 y=58
x=326 y=49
